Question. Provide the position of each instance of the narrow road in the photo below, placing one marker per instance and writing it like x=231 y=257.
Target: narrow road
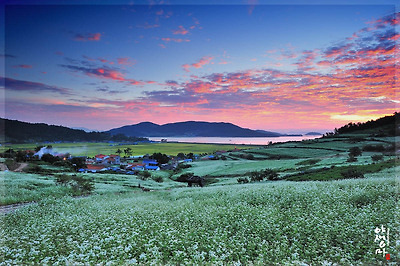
x=21 y=167
x=12 y=207
x=3 y=167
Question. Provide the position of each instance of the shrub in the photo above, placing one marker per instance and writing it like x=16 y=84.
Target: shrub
x=352 y=173
x=47 y=157
x=144 y=175
x=184 y=177
x=256 y=176
x=158 y=179
x=351 y=159
x=268 y=173
x=376 y=148
x=243 y=180
x=309 y=162
x=377 y=157
x=355 y=151
x=271 y=174
x=77 y=183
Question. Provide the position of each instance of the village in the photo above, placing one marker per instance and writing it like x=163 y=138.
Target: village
x=128 y=164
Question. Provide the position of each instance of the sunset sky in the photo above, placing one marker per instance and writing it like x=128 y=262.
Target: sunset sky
x=286 y=68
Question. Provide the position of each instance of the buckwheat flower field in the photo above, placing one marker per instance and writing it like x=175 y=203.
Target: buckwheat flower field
x=266 y=223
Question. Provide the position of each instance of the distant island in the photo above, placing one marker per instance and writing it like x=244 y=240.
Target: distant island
x=191 y=129
x=312 y=134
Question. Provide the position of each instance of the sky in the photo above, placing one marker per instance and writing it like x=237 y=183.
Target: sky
x=289 y=67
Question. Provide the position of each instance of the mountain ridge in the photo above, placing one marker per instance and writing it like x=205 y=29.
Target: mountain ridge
x=190 y=129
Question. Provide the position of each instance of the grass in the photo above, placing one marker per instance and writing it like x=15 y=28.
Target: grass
x=269 y=222
x=334 y=173
x=264 y=223
x=23 y=187
x=91 y=149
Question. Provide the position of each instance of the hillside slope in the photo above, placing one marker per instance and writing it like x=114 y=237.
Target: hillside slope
x=385 y=126
x=23 y=132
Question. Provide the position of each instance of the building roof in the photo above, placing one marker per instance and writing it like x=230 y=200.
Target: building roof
x=94 y=167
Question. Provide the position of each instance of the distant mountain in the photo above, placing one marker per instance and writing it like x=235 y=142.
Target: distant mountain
x=190 y=129
x=22 y=132
x=312 y=134
x=84 y=129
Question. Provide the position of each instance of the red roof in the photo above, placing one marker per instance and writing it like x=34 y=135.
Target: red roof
x=113 y=155
x=100 y=156
x=94 y=167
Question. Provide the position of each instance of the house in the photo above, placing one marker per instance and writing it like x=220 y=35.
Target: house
x=108 y=159
x=167 y=166
x=93 y=168
x=135 y=166
x=99 y=158
x=117 y=158
x=152 y=167
x=151 y=164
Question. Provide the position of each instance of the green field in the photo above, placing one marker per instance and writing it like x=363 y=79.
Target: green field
x=91 y=149
x=269 y=222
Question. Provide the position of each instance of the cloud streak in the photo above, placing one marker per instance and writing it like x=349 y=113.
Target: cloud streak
x=28 y=86
x=85 y=37
x=205 y=60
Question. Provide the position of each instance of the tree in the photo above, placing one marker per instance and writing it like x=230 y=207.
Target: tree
x=161 y=158
x=128 y=151
x=268 y=173
x=355 y=151
x=78 y=163
x=181 y=155
x=118 y=152
x=47 y=157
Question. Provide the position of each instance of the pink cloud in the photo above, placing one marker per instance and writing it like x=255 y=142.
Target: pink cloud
x=199 y=64
x=125 y=61
x=22 y=66
x=87 y=37
x=181 y=30
x=175 y=40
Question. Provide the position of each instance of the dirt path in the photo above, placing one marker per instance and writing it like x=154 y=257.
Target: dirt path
x=3 y=167
x=21 y=167
x=12 y=207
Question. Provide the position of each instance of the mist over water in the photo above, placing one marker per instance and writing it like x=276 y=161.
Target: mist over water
x=236 y=141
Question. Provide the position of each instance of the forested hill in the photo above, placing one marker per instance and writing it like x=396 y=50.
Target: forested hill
x=388 y=125
x=190 y=129
x=23 y=132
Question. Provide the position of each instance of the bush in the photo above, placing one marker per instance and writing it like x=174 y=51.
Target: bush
x=309 y=162
x=377 y=157
x=351 y=159
x=355 y=151
x=268 y=173
x=256 y=176
x=47 y=157
x=376 y=148
x=243 y=180
x=271 y=174
x=352 y=173
x=144 y=175
x=185 y=177
x=158 y=179
x=77 y=183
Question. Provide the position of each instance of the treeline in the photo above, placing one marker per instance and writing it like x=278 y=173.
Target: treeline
x=22 y=132
x=387 y=125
